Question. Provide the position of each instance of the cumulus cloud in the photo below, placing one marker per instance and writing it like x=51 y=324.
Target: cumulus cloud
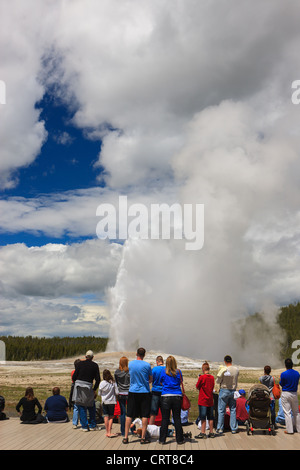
x=141 y=68
x=57 y=288
x=55 y=270
x=22 y=133
x=32 y=316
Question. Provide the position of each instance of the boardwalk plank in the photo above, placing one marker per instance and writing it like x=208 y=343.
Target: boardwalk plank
x=16 y=436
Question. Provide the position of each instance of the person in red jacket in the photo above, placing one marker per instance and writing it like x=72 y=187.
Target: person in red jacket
x=205 y=385
x=241 y=412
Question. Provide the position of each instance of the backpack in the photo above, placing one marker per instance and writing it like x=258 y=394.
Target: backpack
x=276 y=390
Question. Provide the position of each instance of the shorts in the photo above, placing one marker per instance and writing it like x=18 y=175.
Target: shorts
x=155 y=403
x=138 y=405
x=206 y=412
x=108 y=410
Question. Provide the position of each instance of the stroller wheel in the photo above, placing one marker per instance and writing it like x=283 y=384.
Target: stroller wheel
x=273 y=432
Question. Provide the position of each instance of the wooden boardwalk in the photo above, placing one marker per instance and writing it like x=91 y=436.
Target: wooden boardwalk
x=17 y=436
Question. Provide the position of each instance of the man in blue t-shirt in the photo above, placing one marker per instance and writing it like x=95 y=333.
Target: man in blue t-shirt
x=139 y=397
x=289 y=381
x=156 y=388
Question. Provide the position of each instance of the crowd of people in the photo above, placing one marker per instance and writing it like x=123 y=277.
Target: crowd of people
x=142 y=391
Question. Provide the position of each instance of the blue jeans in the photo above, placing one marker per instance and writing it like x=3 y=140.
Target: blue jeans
x=75 y=414
x=206 y=412
x=155 y=404
x=122 y=403
x=273 y=415
x=226 y=398
x=84 y=420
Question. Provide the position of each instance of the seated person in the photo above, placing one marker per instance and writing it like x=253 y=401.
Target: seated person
x=29 y=403
x=56 y=407
x=184 y=418
x=241 y=411
x=152 y=430
x=2 y=406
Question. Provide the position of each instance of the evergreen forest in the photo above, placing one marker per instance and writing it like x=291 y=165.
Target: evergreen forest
x=29 y=348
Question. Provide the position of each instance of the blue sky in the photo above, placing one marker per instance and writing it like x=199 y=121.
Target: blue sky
x=66 y=160
x=175 y=101
x=65 y=163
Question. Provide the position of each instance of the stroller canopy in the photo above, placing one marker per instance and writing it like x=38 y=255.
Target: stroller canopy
x=258 y=391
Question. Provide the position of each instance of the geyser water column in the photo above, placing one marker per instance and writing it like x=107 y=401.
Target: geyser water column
x=166 y=300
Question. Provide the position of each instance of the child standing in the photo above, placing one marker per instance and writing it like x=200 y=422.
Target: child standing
x=108 y=391
x=205 y=385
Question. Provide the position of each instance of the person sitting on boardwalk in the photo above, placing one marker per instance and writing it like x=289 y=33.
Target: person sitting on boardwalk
x=29 y=403
x=2 y=407
x=152 y=429
x=56 y=407
x=241 y=411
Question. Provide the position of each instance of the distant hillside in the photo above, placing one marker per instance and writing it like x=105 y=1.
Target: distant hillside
x=30 y=348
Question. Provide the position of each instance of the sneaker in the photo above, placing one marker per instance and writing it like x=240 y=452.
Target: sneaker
x=74 y=426
x=202 y=435
x=234 y=432
x=211 y=434
x=219 y=432
x=85 y=429
x=187 y=435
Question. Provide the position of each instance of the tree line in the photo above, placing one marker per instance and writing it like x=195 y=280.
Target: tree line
x=30 y=348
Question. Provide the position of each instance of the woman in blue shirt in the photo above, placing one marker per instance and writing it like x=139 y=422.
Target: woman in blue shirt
x=171 y=398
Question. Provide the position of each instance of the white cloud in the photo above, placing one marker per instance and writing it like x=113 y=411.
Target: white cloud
x=59 y=270
x=22 y=133
x=57 y=289
x=144 y=68
x=26 y=315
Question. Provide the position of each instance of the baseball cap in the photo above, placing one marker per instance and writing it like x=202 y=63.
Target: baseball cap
x=89 y=353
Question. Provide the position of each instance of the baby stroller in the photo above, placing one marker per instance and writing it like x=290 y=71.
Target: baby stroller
x=259 y=410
